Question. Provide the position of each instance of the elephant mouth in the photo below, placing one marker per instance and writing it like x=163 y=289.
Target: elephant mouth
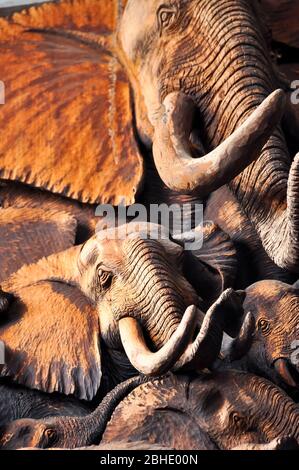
x=287 y=372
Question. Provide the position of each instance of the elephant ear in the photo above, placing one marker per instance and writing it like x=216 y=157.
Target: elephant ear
x=67 y=116
x=79 y=15
x=218 y=251
x=212 y=268
x=26 y=235
x=21 y=196
x=51 y=339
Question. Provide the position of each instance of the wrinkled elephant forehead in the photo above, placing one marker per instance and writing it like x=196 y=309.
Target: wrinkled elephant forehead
x=139 y=16
x=89 y=253
x=269 y=298
x=134 y=229
x=105 y=251
x=105 y=248
x=112 y=246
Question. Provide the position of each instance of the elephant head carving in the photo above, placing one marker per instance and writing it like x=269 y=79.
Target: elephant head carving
x=228 y=410
x=231 y=408
x=188 y=59
x=268 y=342
x=141 y=295
x=200 y=69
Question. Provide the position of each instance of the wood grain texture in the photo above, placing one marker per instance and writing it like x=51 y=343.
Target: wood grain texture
x=160 y=413
x=252 y=263
x=67 y=121
x=283 y=19
x=17 y=402
x=218 y=251
x=26 y=235
x=18 y=195
x=84 y=15
x=52 y=341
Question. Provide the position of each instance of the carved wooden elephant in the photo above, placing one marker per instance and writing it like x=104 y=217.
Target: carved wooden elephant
x=268 y=343
x=229 y=410
x=143 y=297
x=233 y=114
x=18 y=402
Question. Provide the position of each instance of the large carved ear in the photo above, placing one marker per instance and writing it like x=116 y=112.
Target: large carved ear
x=21 y=196
x=212 y=268
x=77 y=15
x=59 y=267
x=52 y=340
x=67 y=118
x=26 y=235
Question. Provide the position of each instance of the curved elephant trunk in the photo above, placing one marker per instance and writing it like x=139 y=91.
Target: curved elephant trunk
x=225 y=315
x=202 y=175
x=178 y=169
x=204 y=350
x=179 y=351
x=160 y=328
x=236 y=77
x=281 y=418
x=284 y=247
x=284 y=371
x=240 y=346
x=71 y=432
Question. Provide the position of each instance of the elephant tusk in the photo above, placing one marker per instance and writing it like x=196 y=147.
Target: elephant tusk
x=241 y=345
x=156 y=363
x=282 y=369
x=171 y=145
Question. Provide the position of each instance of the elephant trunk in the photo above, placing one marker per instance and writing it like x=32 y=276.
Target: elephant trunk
x=171 y=146
x=236 y=77
x=281 y=418
x=88 y=430
x=160 y=328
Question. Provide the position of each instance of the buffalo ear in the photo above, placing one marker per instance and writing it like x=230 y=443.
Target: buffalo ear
x=212 y=268
x=67 y=115
x=26 y=235
x=52 y=339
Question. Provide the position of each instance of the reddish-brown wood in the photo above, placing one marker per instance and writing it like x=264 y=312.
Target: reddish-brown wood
x=21 y=196
x=67 y=121
x=52 y=340
x=84 y=15
x=26 y=235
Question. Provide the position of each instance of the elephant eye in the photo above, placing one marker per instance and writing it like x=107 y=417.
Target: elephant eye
x=104 y=277
x=165 y=17
x=263 y=326
x=237 y=420
x=50 y=438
